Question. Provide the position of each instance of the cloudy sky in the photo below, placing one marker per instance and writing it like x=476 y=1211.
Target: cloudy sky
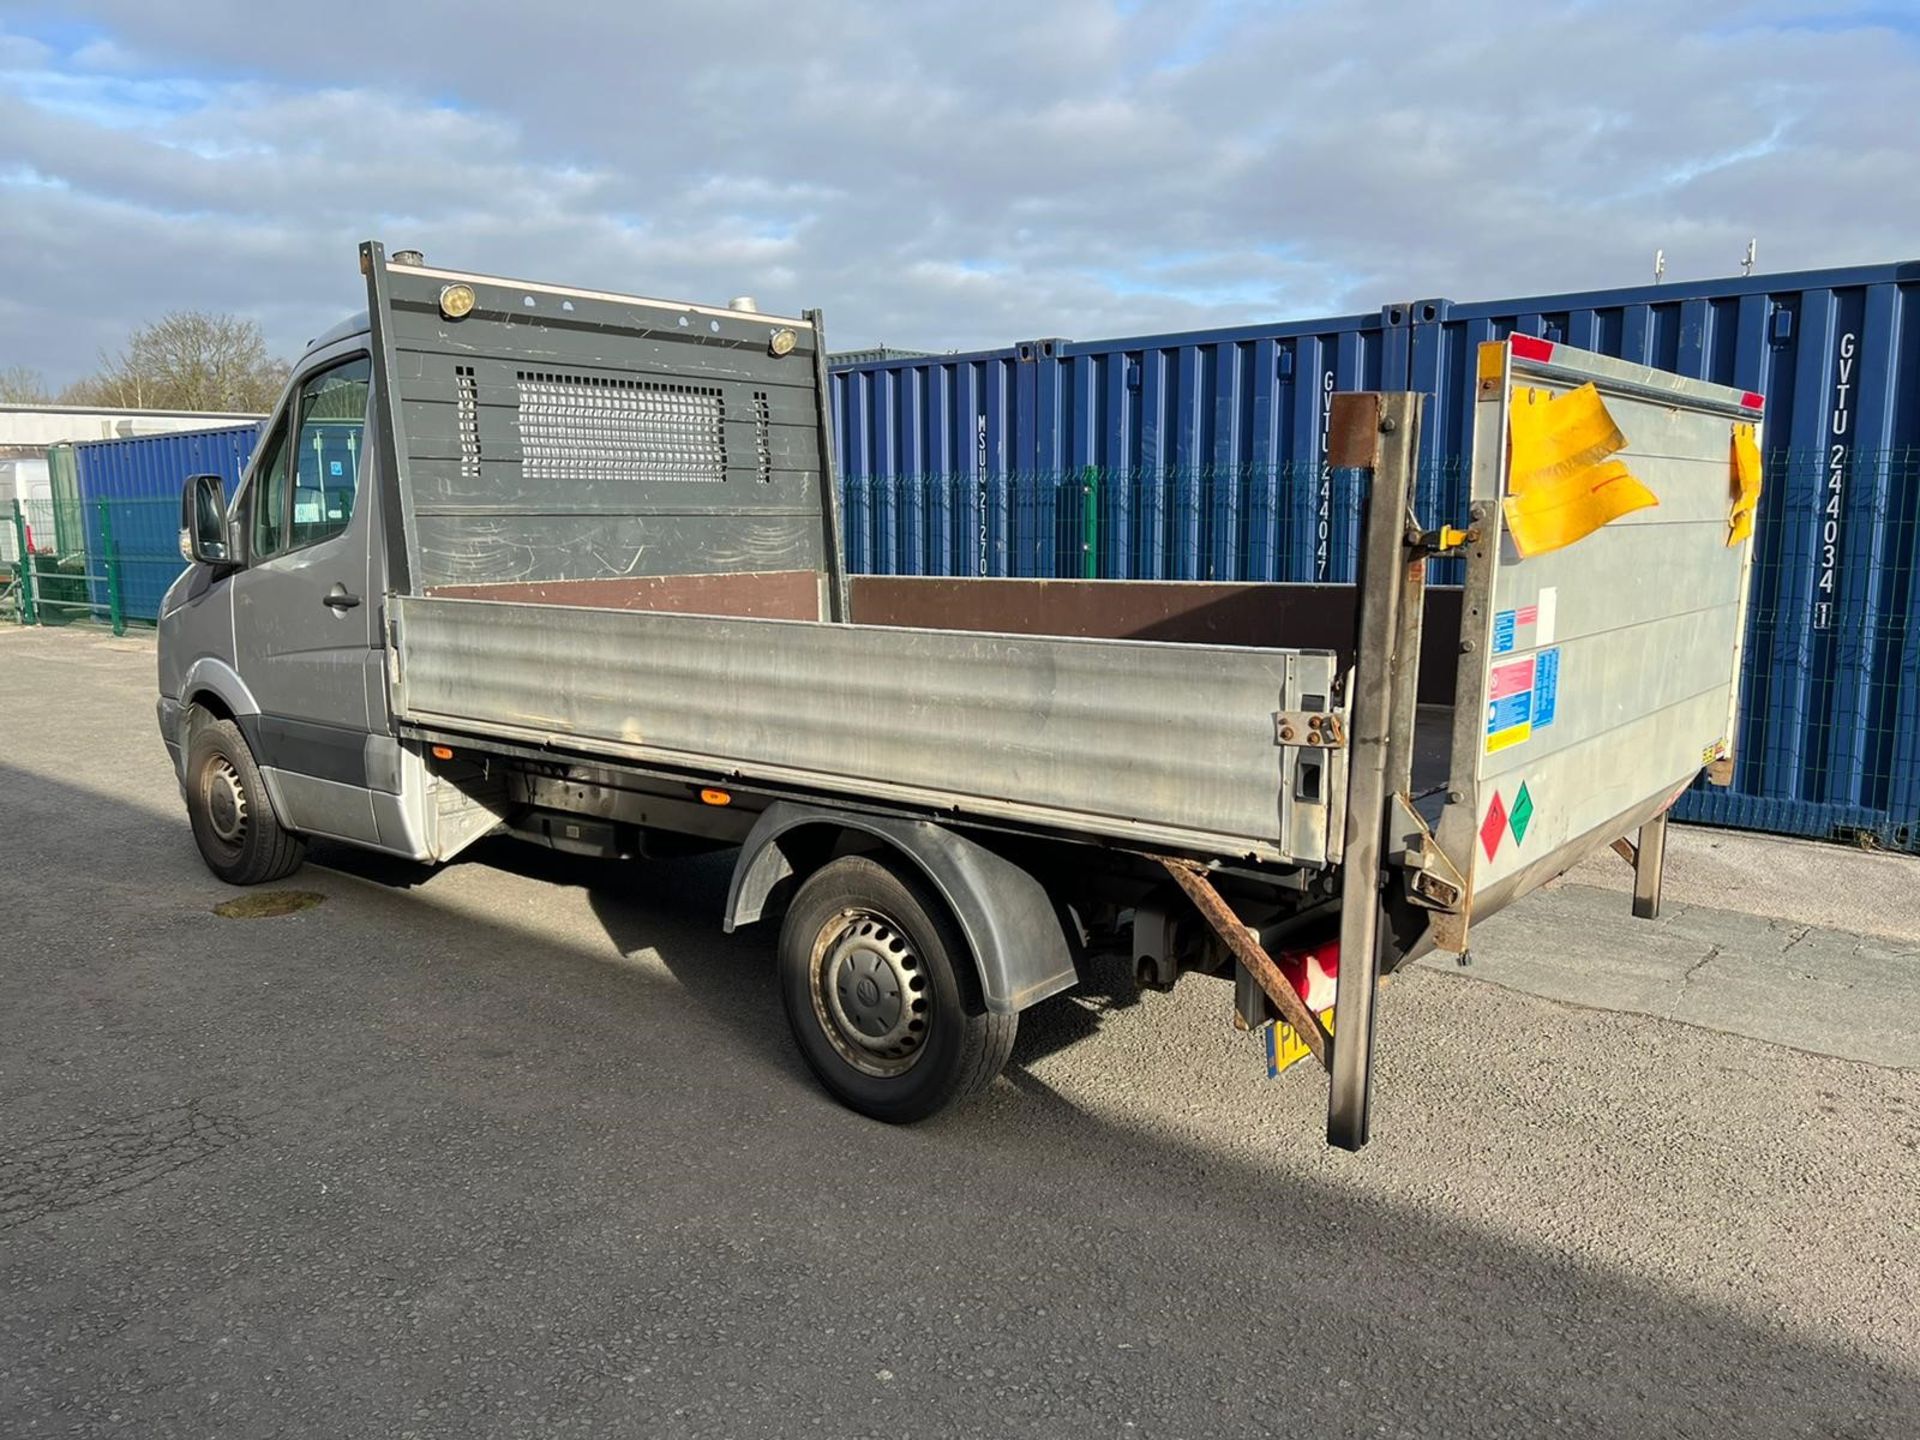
x=937 y=176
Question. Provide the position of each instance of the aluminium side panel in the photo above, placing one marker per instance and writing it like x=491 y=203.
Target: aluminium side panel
x=1087 y=736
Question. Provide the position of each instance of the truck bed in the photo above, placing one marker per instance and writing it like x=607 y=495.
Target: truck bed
x=1148 y=742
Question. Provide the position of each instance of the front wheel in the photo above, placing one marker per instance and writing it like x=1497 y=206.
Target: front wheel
x=239 y=836
x=886 y=1018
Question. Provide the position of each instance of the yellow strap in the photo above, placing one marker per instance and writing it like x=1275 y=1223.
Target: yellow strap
x=1556 y=435
x=1561 y=487
x=1555 y=513
x=1746 y=483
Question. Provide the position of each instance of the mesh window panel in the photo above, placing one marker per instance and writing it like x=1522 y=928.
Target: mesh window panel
x=576 y=427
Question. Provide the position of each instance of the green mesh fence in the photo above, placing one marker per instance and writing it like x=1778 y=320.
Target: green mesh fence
x=107 y=561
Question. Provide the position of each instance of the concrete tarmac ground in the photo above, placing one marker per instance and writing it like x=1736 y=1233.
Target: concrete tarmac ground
x=521 y=1148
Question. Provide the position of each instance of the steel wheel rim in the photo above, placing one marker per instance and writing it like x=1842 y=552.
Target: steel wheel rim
x=871 y=992
x=224 y=801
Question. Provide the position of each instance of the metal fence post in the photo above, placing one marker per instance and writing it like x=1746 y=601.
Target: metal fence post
x=24 y=568
x=112 y=556
x=1090 y=524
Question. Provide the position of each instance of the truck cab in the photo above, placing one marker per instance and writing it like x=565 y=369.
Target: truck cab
x=279 y=636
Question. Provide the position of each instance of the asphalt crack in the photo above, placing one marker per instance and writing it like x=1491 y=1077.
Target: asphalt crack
x=64 y=1172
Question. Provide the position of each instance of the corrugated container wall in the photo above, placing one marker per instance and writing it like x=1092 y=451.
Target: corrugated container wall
x=1186 y=457
x=1197 y=456
x=132 y=487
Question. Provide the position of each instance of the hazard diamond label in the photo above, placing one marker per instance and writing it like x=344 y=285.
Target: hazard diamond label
x=1522 y=813
x=1494 y=826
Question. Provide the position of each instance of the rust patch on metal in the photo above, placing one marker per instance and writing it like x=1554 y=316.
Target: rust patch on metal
x=1353 y=431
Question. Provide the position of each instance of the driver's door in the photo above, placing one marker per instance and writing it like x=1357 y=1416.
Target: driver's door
x=303 y=609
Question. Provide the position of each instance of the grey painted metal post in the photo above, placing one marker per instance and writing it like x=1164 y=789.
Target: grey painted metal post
x=839 y=607
x=1370 y=745
x=1405 y=713
x=1649 y=867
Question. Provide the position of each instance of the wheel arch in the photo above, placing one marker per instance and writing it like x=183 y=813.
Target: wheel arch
x=1014 y=933
x=215 y=686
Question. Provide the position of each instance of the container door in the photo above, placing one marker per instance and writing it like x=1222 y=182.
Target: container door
x=304 y=612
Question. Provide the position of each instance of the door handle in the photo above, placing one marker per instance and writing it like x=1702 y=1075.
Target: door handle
x=338 y=598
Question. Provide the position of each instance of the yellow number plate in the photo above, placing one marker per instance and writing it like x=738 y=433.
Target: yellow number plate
x=1285 y=1048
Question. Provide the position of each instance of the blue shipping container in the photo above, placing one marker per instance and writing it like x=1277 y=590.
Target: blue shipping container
x=133 y=486
x=1198 y=455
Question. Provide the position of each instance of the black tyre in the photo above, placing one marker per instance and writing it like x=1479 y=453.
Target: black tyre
x=239 y=836
x=881 y=993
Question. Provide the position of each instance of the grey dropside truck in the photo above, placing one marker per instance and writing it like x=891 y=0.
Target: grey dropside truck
x=518 y=558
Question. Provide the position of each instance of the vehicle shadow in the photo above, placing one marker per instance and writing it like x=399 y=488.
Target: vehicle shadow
x=733 y=976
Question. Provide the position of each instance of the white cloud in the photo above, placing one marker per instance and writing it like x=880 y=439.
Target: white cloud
x=958 y=176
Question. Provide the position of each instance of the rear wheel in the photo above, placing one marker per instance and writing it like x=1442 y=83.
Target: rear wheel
x=239 y=836
x=880 y=992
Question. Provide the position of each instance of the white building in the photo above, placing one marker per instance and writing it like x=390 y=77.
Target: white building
x=27 y=428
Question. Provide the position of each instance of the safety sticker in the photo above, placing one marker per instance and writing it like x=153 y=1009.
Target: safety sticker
x=1526 y=626
x=1494 y=827
x=1502 y=821
x=1521 y=814
x=1546 y=687
x=1509 y=703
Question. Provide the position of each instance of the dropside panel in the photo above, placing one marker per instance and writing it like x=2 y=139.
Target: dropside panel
x=1162 y=744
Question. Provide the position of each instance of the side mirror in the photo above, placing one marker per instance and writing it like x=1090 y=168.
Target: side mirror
x=203 y=522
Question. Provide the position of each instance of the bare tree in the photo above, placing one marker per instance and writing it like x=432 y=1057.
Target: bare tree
x=23 y=385
x=187 y=360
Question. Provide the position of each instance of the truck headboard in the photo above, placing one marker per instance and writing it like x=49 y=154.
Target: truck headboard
x=573 y=446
